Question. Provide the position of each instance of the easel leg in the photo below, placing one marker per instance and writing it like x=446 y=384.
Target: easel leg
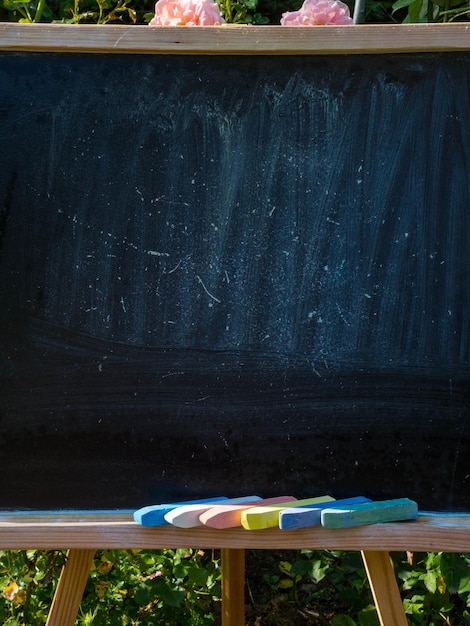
x=70 y=588
x=384 y=588
x=233 y=587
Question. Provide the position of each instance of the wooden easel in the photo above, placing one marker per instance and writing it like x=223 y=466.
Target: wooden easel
x=82 y=534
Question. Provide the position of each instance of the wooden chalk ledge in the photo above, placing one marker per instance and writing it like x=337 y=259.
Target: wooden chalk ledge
x=82 y=533
x=447 y=533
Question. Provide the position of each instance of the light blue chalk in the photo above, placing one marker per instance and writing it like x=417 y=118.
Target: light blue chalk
x=369 y=513
x=304 y=517
x=155 y=515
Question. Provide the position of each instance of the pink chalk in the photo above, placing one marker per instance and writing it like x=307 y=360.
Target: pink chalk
x=229 y=515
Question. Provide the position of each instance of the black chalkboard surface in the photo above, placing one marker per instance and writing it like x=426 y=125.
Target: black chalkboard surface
x=233 y=275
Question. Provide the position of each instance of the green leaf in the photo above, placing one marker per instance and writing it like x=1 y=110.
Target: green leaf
x=455 y=572
x=285 y=567
x=148 y=558
x=410 y=579
x=447 y=4
x=464 y=585
x=342 y=620
x=429 y=580
x=417 y=11
x=141 y=596
x=198 y=576
x=400 y=4
x=352 y=561
x=368 y=617
x=301 y=568
x=413 y=605
x=432 y=560
x=180 y=571
x=318 y=571
x=171 y=597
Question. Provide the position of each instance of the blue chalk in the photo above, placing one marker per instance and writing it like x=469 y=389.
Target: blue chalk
x=303 y=517
x=155 y=515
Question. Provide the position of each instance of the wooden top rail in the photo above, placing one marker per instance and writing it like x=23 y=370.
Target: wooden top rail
x=235 y=39
x=446 y=533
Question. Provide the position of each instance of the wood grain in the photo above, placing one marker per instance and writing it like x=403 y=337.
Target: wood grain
x=233 y=587
x=384 y=588
x=70 y=588
x=433 y=533
x=233 y=39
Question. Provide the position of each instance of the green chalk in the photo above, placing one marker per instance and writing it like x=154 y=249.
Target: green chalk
x=369 y=513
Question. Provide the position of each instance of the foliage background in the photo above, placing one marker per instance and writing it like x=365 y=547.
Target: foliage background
x=182 y=587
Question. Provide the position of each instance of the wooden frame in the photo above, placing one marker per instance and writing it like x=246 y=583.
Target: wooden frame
x=233 y=39
x=83 y=533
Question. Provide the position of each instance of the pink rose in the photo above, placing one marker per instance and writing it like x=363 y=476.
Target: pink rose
x=186 y=13
x=318 y=13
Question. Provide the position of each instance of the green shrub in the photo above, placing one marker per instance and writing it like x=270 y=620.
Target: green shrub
x=180 y=587
x=132 y=587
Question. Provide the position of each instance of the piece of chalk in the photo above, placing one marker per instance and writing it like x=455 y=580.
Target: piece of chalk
x=229 y=515
x=188 y=516
x=370 y=513
x=154 y=515
x=258 y=518
x=304 y=517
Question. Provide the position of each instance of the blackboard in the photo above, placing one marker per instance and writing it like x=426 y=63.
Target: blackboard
x=230 y=275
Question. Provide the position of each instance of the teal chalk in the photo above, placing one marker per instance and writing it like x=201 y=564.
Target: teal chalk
x=304 y=517
x=155 y=515
x=369 y=513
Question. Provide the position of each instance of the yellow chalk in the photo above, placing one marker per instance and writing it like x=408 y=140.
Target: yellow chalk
x=259 y=517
